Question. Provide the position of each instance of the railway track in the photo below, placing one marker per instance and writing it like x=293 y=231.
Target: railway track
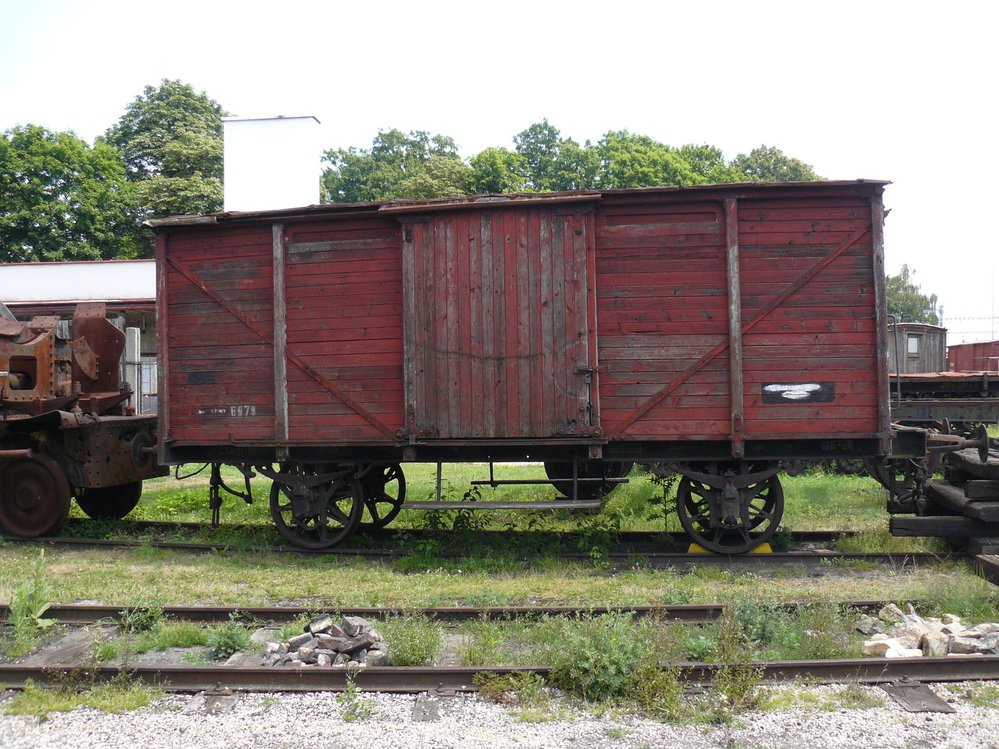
x=616 y=557
x=655 y=550
x=409 y=679
x=80 y=614
x=389 y=537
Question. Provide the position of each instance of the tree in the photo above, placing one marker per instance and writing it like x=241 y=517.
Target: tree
x=440 y=177
x=358 y=175
x=171 y=140
x=631 y=160
x=906 y=302
x=708 y=163
x=498 y=170
x=555 y=163
x=768 y=164
x=60 y=199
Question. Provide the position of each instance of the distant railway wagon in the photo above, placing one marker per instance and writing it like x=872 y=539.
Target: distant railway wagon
x=722 y=329
x=973 y=357
x=937 y=386
x=915 y=347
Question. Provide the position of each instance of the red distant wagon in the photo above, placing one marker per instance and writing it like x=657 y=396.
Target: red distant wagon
x=719 y=328
x=982 y=356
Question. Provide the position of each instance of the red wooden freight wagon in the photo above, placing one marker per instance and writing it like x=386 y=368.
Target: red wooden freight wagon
x=719 y=328
x=982 y=356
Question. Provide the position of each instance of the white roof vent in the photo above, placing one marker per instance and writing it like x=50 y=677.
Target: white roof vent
x=271 y=163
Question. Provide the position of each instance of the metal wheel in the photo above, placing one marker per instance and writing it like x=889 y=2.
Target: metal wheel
x=708 y=514
x=560 y=475
x=34 y=496
x=316 y=506
x=110 y=502
x=384 y=493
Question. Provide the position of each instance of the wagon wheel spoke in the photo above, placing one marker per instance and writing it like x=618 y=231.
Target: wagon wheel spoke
x=384 y=494
x=316 y=517
x=699 y=508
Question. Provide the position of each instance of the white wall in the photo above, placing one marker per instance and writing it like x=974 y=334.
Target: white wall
x=109 y=281
x=271 y=163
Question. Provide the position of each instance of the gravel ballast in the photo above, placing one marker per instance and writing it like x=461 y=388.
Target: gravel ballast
x=316 y=721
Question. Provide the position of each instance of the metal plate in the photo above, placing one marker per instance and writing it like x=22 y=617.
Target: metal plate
x=916 y=697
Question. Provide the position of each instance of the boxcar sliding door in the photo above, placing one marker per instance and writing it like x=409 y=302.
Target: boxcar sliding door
x=498 y=304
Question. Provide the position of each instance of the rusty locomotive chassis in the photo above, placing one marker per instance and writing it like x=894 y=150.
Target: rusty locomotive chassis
x=65 y=429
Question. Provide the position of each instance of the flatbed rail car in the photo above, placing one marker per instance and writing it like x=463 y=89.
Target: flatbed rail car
x=65 y=430
x=720 y=328
x=948 y=401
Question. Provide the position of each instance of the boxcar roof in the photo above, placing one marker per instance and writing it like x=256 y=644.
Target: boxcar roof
x=415 y=206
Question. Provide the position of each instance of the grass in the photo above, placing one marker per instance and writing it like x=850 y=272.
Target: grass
x=130 y=577
x=414 y=641
x=815 y=500
x=829 y=699
x=115 y=697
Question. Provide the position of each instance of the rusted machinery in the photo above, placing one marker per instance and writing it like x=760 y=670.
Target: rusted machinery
x=64 y=428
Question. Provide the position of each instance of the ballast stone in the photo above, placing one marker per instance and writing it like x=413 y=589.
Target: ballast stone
x=324 y=643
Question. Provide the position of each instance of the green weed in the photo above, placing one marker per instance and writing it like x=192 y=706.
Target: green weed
x=414 y=640
x=597 y=657
x=29 y=602
x=354 y=705
x=228 y=638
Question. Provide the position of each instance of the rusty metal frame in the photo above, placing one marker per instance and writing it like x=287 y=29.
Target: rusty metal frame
x=721 y=347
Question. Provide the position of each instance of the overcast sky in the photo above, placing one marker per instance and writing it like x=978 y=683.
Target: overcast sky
x=901 y=91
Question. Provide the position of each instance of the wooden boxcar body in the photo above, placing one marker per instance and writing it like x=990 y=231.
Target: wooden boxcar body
x=914 y=348
x=982 y=356
x=713 y=323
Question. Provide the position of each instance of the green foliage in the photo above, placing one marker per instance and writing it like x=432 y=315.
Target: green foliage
x=414 y=640
x=29 y=602
x=498 y=170
x=630 y=160
x=171 y=141
x=228 y=638
x=555 y=163
x=597 y=657
x=658 y=691
x=396 y=163
x=60 y=199
x=420 y=166
x=769 y=164
x=440 y=177
x=483 y=644
x=737 y=680
x=521 y=689
x=117 y=696
x=354 y=706
x=906 y=302
x=140 y=619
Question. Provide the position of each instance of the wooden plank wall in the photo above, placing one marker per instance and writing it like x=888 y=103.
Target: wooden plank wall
x=662 y=308
x=343 y=286
x=661 y=303
x=497 y=322
x=221 y=372
x=824 y=333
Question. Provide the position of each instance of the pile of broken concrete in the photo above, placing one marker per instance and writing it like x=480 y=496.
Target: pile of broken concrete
x=354 y=643
x=894 y=634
